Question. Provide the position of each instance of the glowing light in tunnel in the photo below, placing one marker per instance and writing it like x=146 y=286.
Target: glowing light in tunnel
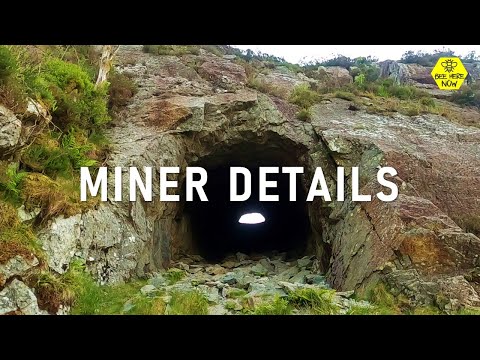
x=251 y=218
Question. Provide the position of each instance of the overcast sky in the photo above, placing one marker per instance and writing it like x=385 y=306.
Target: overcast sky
x=296 y=53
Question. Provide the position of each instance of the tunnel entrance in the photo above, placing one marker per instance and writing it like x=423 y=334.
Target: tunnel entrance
x=215 y=228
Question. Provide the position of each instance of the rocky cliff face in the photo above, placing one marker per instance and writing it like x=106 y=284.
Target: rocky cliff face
x=197 y=110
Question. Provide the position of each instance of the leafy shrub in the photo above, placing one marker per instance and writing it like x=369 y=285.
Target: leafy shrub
x=57 y=154
x=338 y=60
x=471 y=57
x=365 y=69
x=8 y=63
x=121 y=90
x=360 y=79
x=304 y=115
x=424 y=58
x=303 y=96
x=467 y=95
x=71 y=94
x=341 y=61
x=428 y=101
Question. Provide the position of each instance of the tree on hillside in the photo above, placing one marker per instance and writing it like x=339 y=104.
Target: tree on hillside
x=108 y=52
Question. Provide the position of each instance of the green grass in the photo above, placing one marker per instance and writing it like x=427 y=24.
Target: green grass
x=187 y=303
x=304 y=115
x=236 y=293
x=303 y=96
x=344 y=95
x=93 y=299
x=470 y=311
x=15 y=238
x=278 y=306
x=371 y=310
x=318 y=301
x=174 y=275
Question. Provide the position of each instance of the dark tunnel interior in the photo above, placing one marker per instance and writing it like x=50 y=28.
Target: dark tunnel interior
x=216 y=231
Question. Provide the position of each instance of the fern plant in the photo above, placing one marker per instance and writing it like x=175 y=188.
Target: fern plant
x=11 y=186
x=77 y=151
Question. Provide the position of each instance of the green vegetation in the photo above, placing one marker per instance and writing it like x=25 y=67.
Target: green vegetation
x=8 y=64
x=318 y=301
x=341 y=61
x=12 y=90
x=62 y=80
x=383 y=302
x=266 y=87
x=269 y=61
x=304 y=97
x=278 y=306
x=469 y=224
x=122 y=88
x=344 y=95
x=187 y=303
x=468 y=95
x=77 y=288
x=236 y=293
x=56 y=154
x=11 y=184
x=54 y=197
x=304 y=114
x=425 y=59
x=70 y=93
x=174 y=275
x=468 y=311
x=387 y=96
x=369 y=310
x=53 y=290
x=388 y=88
x=176 y=50
x=15 y=237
